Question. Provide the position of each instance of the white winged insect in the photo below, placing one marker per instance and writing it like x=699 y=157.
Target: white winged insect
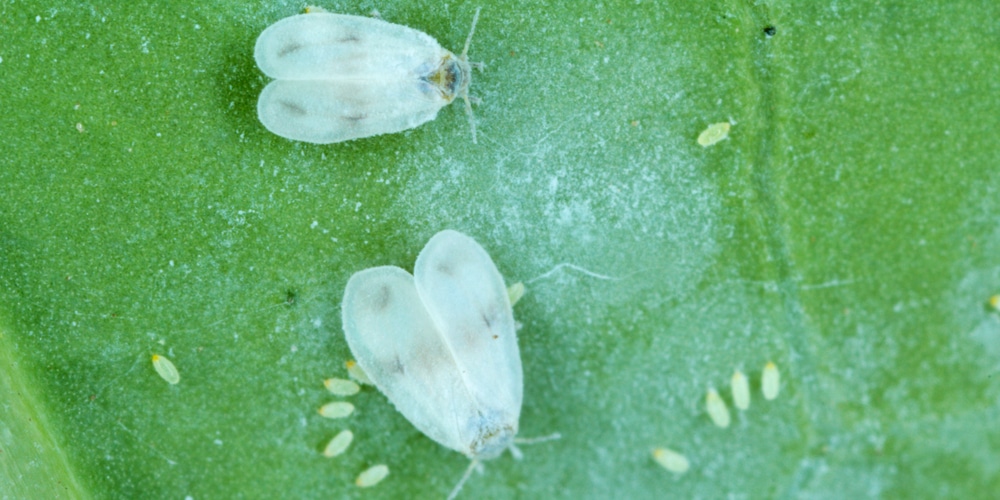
x=441 y=345
x=340 y=77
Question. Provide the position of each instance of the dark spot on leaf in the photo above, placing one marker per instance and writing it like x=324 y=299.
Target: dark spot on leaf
x=770 y=30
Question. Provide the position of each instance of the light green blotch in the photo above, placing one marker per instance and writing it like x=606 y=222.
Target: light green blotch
x=32 y=462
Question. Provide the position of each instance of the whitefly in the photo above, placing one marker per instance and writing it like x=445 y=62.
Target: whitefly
x=441 y=345
x=340 y=77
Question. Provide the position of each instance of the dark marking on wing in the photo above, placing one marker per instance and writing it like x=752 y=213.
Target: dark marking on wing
x=381 y=298
x=288 y=49
x=492 y=314
x=355 y=118
x=444 y=268
x=397 y=366
x=293 y=109
x=350 y=38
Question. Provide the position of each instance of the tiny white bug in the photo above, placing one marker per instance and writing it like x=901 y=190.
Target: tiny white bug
x=741 y=390
x=338 y=444
x=715 y=133
x=671 y=460
x=337 y=409
x=717 y=409
x=166 y=370
x=341 y=387
x=356 y=373
x=770 y=381
x=372 y=476
x=441 y=345
x=340 y=77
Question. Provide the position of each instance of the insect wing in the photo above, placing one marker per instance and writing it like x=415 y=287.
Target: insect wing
x=325 y=46
x=397 y=343
x=466 y=297
x=324 y=112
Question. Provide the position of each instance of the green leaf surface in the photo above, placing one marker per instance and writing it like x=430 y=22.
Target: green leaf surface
x=848 y=229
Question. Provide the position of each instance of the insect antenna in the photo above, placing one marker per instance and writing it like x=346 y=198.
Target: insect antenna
x=472 y=30
x=465 y=59
x=465 y=477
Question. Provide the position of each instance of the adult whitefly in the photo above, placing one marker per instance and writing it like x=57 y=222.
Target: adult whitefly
x=340 y=77
x=441 y=344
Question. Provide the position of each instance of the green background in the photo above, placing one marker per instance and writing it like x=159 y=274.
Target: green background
x=849 y=230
